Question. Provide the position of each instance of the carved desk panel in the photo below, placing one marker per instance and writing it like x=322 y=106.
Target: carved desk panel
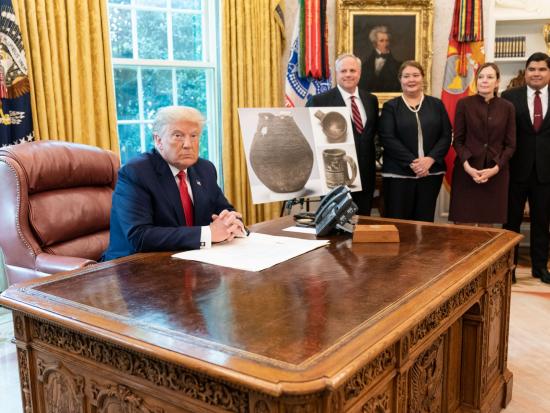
x=419 y=326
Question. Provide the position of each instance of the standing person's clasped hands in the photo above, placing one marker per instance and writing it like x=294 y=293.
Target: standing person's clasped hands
x=484 y=141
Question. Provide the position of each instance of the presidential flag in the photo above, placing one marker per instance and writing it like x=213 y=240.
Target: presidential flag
x=15 y=104
x=464 y=55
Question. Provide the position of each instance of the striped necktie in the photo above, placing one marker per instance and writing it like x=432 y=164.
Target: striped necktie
x=356 y=116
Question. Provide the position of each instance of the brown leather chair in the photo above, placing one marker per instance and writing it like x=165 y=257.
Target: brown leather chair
x=55 y=206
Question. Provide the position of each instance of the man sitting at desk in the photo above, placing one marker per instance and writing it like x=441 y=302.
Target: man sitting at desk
x=168 y=199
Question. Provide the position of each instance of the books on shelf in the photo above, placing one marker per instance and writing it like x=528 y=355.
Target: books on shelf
x=509 y=46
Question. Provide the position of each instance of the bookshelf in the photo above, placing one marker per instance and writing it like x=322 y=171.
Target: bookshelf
x=509 y=22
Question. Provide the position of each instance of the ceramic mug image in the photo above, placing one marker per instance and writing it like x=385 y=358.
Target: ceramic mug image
x=334 y=125
x=336 y=168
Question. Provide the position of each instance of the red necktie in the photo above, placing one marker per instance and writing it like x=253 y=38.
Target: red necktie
x=356 y=116
x=185 y=199
x=537 y=118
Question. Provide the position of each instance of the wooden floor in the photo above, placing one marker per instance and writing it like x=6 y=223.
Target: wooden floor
x=528 y=357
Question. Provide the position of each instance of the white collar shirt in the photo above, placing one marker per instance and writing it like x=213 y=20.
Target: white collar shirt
x=531 y=101
x=175 y=172
x=206 y=233
x=347 y=99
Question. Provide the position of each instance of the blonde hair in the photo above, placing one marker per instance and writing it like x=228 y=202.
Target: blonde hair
x=171 y=114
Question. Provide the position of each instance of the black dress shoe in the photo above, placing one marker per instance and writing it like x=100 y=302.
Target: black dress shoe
x=540 y=272
x=545 y=278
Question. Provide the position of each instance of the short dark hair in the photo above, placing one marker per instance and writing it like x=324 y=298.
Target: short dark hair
x=538 y=57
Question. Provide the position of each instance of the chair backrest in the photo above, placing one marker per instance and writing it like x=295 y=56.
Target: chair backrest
x=56 y=199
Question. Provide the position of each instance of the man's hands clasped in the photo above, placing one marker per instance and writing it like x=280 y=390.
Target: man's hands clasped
x=226 y=226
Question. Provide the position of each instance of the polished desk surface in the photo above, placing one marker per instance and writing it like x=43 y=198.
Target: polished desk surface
x=301 y=323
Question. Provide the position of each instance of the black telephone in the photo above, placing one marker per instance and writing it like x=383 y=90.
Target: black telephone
x=335 y=211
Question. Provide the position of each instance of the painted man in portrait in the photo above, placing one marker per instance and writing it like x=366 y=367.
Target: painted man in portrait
x=380 y=68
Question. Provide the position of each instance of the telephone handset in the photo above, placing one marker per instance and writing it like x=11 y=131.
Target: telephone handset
x=335 y=211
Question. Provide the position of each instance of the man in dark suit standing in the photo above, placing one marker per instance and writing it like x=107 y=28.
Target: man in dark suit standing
x=380 y=68
x=168 y=199
x=346 y=93
x=530 y=165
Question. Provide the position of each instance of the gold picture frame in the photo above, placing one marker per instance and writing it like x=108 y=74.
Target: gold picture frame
x=410 y=24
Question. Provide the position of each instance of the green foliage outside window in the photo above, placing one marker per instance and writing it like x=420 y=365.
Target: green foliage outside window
x=160 y=58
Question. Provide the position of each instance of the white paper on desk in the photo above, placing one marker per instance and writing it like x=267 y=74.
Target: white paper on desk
x=302 y=230
x=253 y=253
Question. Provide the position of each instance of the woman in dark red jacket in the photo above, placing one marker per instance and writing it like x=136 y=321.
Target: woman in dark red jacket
x=484 y=141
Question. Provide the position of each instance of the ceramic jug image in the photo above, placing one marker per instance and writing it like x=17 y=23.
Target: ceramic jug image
x=336 y=168
x=280 y=155
x=334 y=126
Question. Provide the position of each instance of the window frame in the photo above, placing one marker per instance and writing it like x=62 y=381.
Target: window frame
x=210 y=64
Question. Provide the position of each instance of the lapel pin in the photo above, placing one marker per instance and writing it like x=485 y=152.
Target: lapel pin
x=198 y=183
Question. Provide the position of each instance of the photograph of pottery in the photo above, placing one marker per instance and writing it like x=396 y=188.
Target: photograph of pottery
x=334 y=125
x=340 y=169
x=289 y=155
x=280 y=155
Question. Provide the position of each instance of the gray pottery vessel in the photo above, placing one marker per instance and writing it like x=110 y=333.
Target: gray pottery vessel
x=280 y=154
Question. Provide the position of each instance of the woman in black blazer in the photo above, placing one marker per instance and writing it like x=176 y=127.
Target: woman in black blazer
x=415 y=133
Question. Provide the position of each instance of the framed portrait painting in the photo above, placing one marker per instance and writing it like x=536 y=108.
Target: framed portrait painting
x=383 y=35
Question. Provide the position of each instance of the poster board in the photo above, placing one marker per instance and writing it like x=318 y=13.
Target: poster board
x=298 y=152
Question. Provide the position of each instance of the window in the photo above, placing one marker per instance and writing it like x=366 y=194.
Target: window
x=164 y=53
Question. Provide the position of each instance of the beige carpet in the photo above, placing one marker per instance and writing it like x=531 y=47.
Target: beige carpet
x=529 y=343
x=10 y=393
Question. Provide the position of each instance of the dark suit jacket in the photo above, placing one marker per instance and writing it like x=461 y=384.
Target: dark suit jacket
x=385 y=81
x=398 y=133
x=532 y=148
x=147 y=214
x=364 y=143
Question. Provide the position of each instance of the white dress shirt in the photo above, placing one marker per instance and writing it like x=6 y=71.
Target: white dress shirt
x=206 y=233
x=531 y=101
x=379 y=62
x=347 y=99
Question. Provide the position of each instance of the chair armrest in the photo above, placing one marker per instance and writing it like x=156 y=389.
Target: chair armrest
x=51 y=264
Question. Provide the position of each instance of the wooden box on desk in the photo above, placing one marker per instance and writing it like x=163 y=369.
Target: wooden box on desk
x=375 y=233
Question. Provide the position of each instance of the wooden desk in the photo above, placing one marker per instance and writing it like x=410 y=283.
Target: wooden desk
x=420 y=326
